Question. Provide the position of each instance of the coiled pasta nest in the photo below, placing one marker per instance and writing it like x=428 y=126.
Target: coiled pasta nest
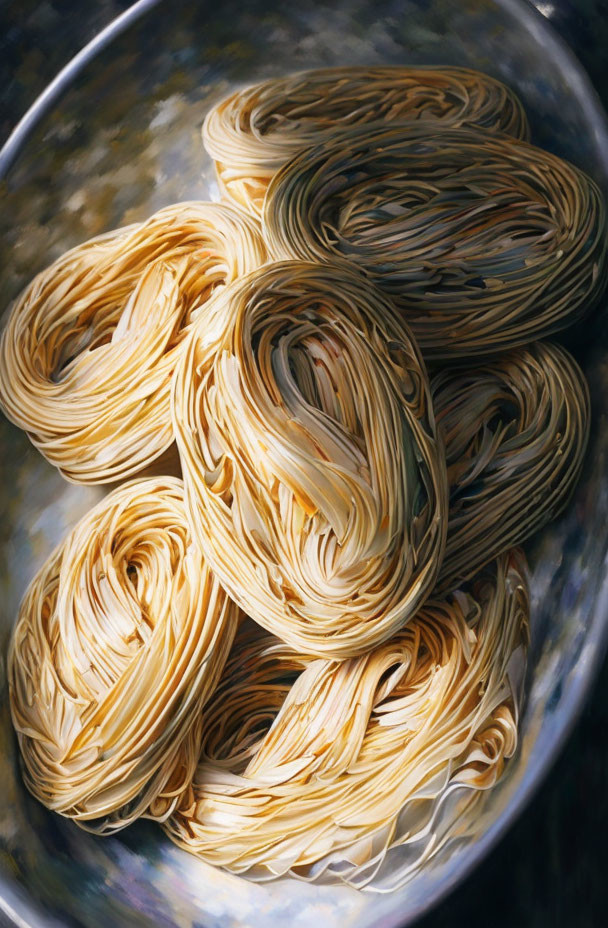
x=515 y=430
x=315 y=483
x=483 y=241
x=87 y=355
x=320 y=773
x=120 y=641
x=256 y=130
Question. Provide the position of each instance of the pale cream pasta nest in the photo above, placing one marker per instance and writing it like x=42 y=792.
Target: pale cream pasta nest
x=256 y=130
x=120 y=641
x=315 y=482
x=483 y=241
x=516 y=430
x=362 y=769
x=87 y=355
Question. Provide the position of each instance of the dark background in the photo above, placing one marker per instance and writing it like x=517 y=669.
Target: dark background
x=551 y=870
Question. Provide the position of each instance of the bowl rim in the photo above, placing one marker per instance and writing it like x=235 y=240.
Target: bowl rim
x=25 y=911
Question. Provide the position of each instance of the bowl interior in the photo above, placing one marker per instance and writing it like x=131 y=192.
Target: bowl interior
x=125 y=141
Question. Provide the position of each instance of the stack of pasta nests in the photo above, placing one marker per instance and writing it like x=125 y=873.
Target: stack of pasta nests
x=303 y=655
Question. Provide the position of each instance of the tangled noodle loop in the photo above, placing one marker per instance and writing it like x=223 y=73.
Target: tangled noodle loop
x=87 y=355
x=319 y=767
x=315 y=483
x=515 y=430
x=484 y=242
x=255 y=131
x=120 y=641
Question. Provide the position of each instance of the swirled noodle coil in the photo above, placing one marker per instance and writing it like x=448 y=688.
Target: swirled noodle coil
x=314 y=479
x=256 y=130
x=516 y=430
x=483 y=241
x=120 y=641
x=360 y=770
x=89 y=348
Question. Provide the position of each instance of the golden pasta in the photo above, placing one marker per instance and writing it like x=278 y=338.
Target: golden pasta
x=484 y=242
x=256 y=130
x=515 y=430
x=87 y=355
x=315 y=483
x=320 y=768
x=306 y=658
x=120 y=641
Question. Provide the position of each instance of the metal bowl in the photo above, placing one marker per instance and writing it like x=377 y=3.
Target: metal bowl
x=122 y=141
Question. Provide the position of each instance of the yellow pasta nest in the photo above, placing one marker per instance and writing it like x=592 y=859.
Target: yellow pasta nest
x=315 y=483
x=87 y=355
x=515 y=430
x=484 y=242
x=120 y=641
x=319 y=773
x=255 y=131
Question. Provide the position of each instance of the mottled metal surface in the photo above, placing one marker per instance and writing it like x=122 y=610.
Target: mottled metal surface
x=124 y=142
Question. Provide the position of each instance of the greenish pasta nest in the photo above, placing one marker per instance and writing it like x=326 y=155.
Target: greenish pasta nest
x=516 y=430
x=483 y=241
x=252 y=133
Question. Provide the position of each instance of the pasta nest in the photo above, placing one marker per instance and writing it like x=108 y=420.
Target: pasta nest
x=483 y=241
x=318 y=768
x=87 y=355
x=120 y=641
x=256 y=130
x=516 y=430
x=315 y=482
